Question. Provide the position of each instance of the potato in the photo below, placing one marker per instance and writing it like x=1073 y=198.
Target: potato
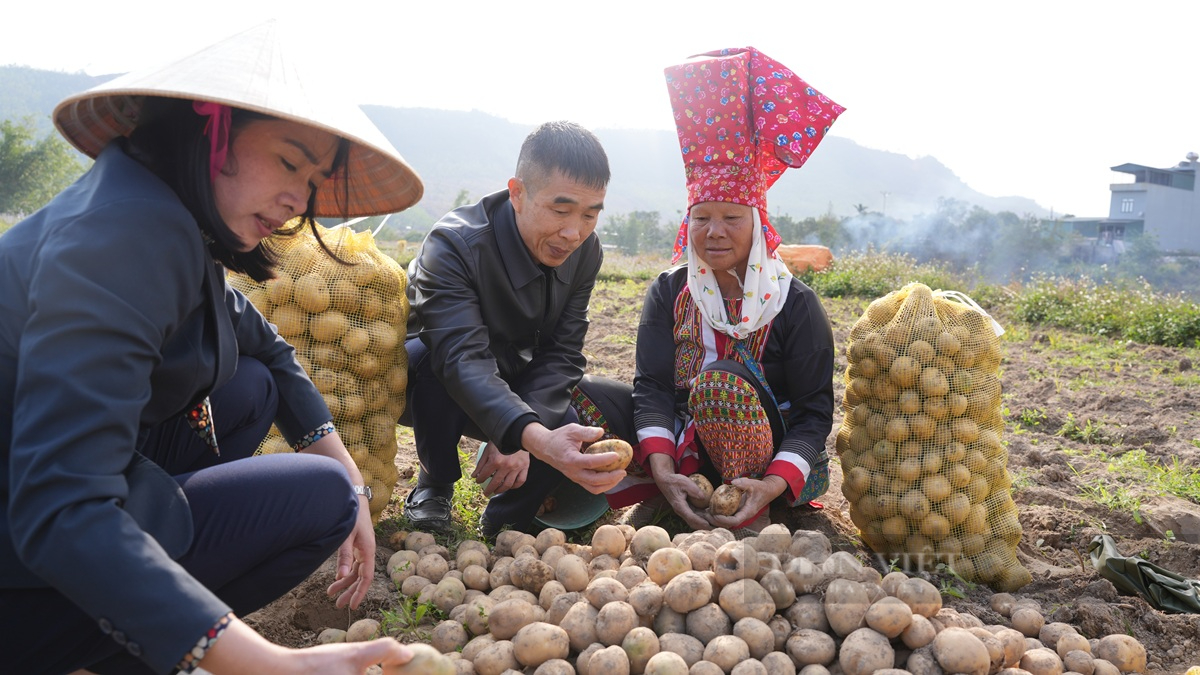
x=702 y=554
x=706 y=488
x=496 y=658
x=808 y=612
x=957 y=651
x=920 y=632
x=640 y=645
x=1123 y=651
x=889 y=616
x=777 y=585
x=669 y=621
x=726 y=651
x=922 y=596
x=448 y=636
x=746 y=598
x=554 y=667
x=448 y=594
x=508 y=617
x=1070 y=642
x=477 y=616
x=508 y=541
x=631 y=574
x=609 y=661
x=994 y=646
x=1028 y=620
x=779 y=663
x=804 y=575
x=725 y=500
x=580 y=624
x=571 y=571
x=603 y=590
x=667 y=563
x=865 y=651
x=708 y=622
x=846 y=605
x=1078 y=661
x=1041 y=662
x=362 y=630
x=476 y=645
x=530 y=574
x=666 y=663
x=807 y=647
x=559 y=606
x=331 y=636
x=690 y=648
x=608 y=540
x=623 y=450
x=646 y=599
x=735 y=560
x=687 y=591
x=756 y=634
x=539 y=642
x=613 y=621
x=647 y=540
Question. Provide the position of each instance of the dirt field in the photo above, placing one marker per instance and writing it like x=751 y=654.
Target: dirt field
x=1080 y=411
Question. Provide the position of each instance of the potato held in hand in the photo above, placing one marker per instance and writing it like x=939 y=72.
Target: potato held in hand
x=705 y=486
x=426 y=660
x=726 y=500
x=624 y=453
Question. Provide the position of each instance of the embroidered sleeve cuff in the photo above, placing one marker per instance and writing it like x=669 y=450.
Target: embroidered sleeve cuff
x=793 y=469
x=191 y=661
x=314 y=436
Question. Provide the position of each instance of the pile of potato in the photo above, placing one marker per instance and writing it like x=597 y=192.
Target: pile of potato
x=348 y=324
x=637 y=602
x=924 y=467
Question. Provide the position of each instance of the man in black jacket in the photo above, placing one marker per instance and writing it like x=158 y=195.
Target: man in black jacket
x=499 y=297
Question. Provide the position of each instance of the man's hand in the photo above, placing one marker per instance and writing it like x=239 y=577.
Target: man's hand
x=756 y=494
x=506 y=471
x=676 y=488
x=560 y=448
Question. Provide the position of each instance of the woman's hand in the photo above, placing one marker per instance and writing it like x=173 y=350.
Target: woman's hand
x=356 y=556
x=756 y=494
x=355 y=561
x=677 y=487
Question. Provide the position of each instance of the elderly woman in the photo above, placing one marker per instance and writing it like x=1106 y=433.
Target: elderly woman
x=135 y=384
x=734 y=355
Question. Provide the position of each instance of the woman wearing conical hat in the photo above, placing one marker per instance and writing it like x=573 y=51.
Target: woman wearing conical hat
x=135 y=384
x=734 y=373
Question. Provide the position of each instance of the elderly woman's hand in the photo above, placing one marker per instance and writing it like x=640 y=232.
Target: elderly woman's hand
x=676 y=488
x=757 y=494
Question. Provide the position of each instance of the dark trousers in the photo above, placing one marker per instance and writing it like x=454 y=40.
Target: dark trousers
x=438 y=425
x=262 y=525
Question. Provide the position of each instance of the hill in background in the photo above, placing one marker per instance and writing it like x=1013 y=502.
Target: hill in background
x=476 y=152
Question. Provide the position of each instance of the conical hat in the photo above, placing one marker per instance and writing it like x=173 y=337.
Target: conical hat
x=251 y=71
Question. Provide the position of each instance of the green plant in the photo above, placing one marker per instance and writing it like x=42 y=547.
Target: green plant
x=1090 y=433
x=406 y=617
x=1031 y=417
x=951 y=584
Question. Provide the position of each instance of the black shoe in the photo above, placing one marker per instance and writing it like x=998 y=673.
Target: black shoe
x=428 y=508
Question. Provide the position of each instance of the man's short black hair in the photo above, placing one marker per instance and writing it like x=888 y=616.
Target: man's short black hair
x=565 y=147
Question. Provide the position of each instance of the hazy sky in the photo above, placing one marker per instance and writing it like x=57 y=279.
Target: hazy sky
x=1033 y=98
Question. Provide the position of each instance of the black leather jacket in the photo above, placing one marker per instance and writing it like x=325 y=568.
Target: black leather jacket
x=505 y=333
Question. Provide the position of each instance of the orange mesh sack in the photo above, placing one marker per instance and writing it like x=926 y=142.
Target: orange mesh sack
x=347 y=323
x=925 y=471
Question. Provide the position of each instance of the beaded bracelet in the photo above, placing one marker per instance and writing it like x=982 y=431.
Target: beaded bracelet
x=314 y=436
x=191 y=660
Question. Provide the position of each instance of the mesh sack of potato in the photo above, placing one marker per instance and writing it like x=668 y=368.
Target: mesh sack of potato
x=924 y=468
x=347 y=323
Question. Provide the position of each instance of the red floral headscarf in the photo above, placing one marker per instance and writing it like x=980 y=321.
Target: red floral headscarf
x=743 y=119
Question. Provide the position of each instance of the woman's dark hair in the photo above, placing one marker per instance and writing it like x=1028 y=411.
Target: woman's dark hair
x=170 y=142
